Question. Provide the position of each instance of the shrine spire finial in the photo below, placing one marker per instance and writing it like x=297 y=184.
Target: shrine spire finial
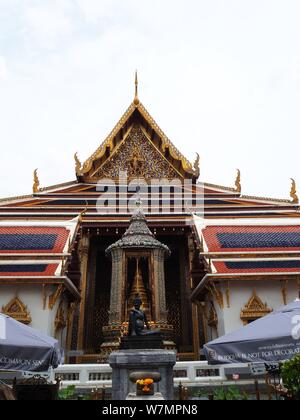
x=136 y=96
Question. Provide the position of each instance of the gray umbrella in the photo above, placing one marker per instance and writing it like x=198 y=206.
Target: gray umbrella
x=25 y=349
x=273 y=338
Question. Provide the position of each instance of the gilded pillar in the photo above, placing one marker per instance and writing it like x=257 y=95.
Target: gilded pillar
x=84 y=256
x=159 y=285
x=116 y=295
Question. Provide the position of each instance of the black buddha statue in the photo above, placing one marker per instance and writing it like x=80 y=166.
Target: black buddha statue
x=138 y=320
x=139 y=334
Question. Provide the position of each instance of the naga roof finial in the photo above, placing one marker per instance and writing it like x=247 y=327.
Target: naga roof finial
x=238 y=185
x=36 y=182
x=293 y=193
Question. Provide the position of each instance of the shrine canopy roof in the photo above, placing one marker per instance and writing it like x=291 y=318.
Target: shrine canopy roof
x=35 y=250
x=251 y=246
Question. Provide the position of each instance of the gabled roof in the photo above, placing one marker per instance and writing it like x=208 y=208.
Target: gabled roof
x=137 y=113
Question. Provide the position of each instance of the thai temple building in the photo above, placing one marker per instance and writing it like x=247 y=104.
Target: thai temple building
x=138 y=220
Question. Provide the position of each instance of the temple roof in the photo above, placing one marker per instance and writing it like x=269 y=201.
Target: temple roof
x=37 y=252
x=163 y=150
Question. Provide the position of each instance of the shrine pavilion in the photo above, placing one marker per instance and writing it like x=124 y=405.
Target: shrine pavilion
x=204 y=258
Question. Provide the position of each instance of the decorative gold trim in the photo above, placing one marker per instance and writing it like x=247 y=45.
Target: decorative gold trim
x=228 y=294
x=212 y=319
x=216 y=293
x=44 y=292
x=36 y=182
x=254 y=309
x=78 y=165
x=284 y=285
x=293 y=193
x=197 y=165
x=55 y=296
x=18 y=310
x=60 y=319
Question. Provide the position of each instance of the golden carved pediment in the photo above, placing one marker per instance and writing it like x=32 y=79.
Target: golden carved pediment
x=95 y=168
x=254 y=309
x=18 y=310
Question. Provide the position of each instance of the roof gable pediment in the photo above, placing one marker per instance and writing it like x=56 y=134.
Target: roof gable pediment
x=135 y=135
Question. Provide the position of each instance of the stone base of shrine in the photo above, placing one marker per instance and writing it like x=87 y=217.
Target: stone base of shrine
x=113 y=336
x=125 y=362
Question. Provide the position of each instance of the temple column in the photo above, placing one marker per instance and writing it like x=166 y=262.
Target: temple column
x=159 y=286
x=117 y=279
x=84 y=256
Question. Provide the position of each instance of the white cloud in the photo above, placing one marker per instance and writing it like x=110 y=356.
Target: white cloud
x=48 y=24
x=220 y=78
x=3 y=68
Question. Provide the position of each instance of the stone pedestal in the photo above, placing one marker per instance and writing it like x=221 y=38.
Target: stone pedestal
x=125 y=362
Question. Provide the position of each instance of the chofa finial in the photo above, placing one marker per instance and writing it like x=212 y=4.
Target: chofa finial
x=136 y=96
x=197 y=165
x=36 y=182
x=238 y=185
x=77 y=164
x=293 y=193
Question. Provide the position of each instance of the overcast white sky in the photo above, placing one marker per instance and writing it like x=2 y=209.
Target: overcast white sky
x=221 y=78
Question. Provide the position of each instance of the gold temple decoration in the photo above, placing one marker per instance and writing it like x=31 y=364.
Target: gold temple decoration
x=78 y=164
x=44 y=292
x=238 y=185
x=293 y=193
x=212 y=319
x=136 y=96
x=197 y=165
x=228 y=294
x=55 y=296
x=83 y=212
x=36 y=182
x=216 y=294
x=111 y=143
x=254 y=309
x=60 y=319
x=136 y=163
x=17 y=310
x=284 y=286
x=138 y=289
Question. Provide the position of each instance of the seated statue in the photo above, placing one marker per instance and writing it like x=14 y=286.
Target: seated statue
x=138 y=320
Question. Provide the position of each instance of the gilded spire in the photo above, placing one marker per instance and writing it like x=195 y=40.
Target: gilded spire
x=136 y=96
x=238 y=185
x=293 y=193
x=77 y=164
x=36 y=182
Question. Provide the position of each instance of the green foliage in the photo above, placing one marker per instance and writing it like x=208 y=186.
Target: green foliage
x=67 y=394
x=229 y=394
x=290 y=372
x=225 y=394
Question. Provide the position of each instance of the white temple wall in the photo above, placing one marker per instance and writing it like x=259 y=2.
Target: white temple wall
x=32 y=296
x=268 y=291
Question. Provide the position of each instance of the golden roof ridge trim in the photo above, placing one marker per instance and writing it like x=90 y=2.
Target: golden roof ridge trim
x=176 y=154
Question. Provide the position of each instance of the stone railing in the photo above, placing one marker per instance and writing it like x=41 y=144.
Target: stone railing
x=97 y=376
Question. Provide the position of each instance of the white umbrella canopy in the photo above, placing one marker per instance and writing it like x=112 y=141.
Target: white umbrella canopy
x=24 y=349
x=273 y=338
